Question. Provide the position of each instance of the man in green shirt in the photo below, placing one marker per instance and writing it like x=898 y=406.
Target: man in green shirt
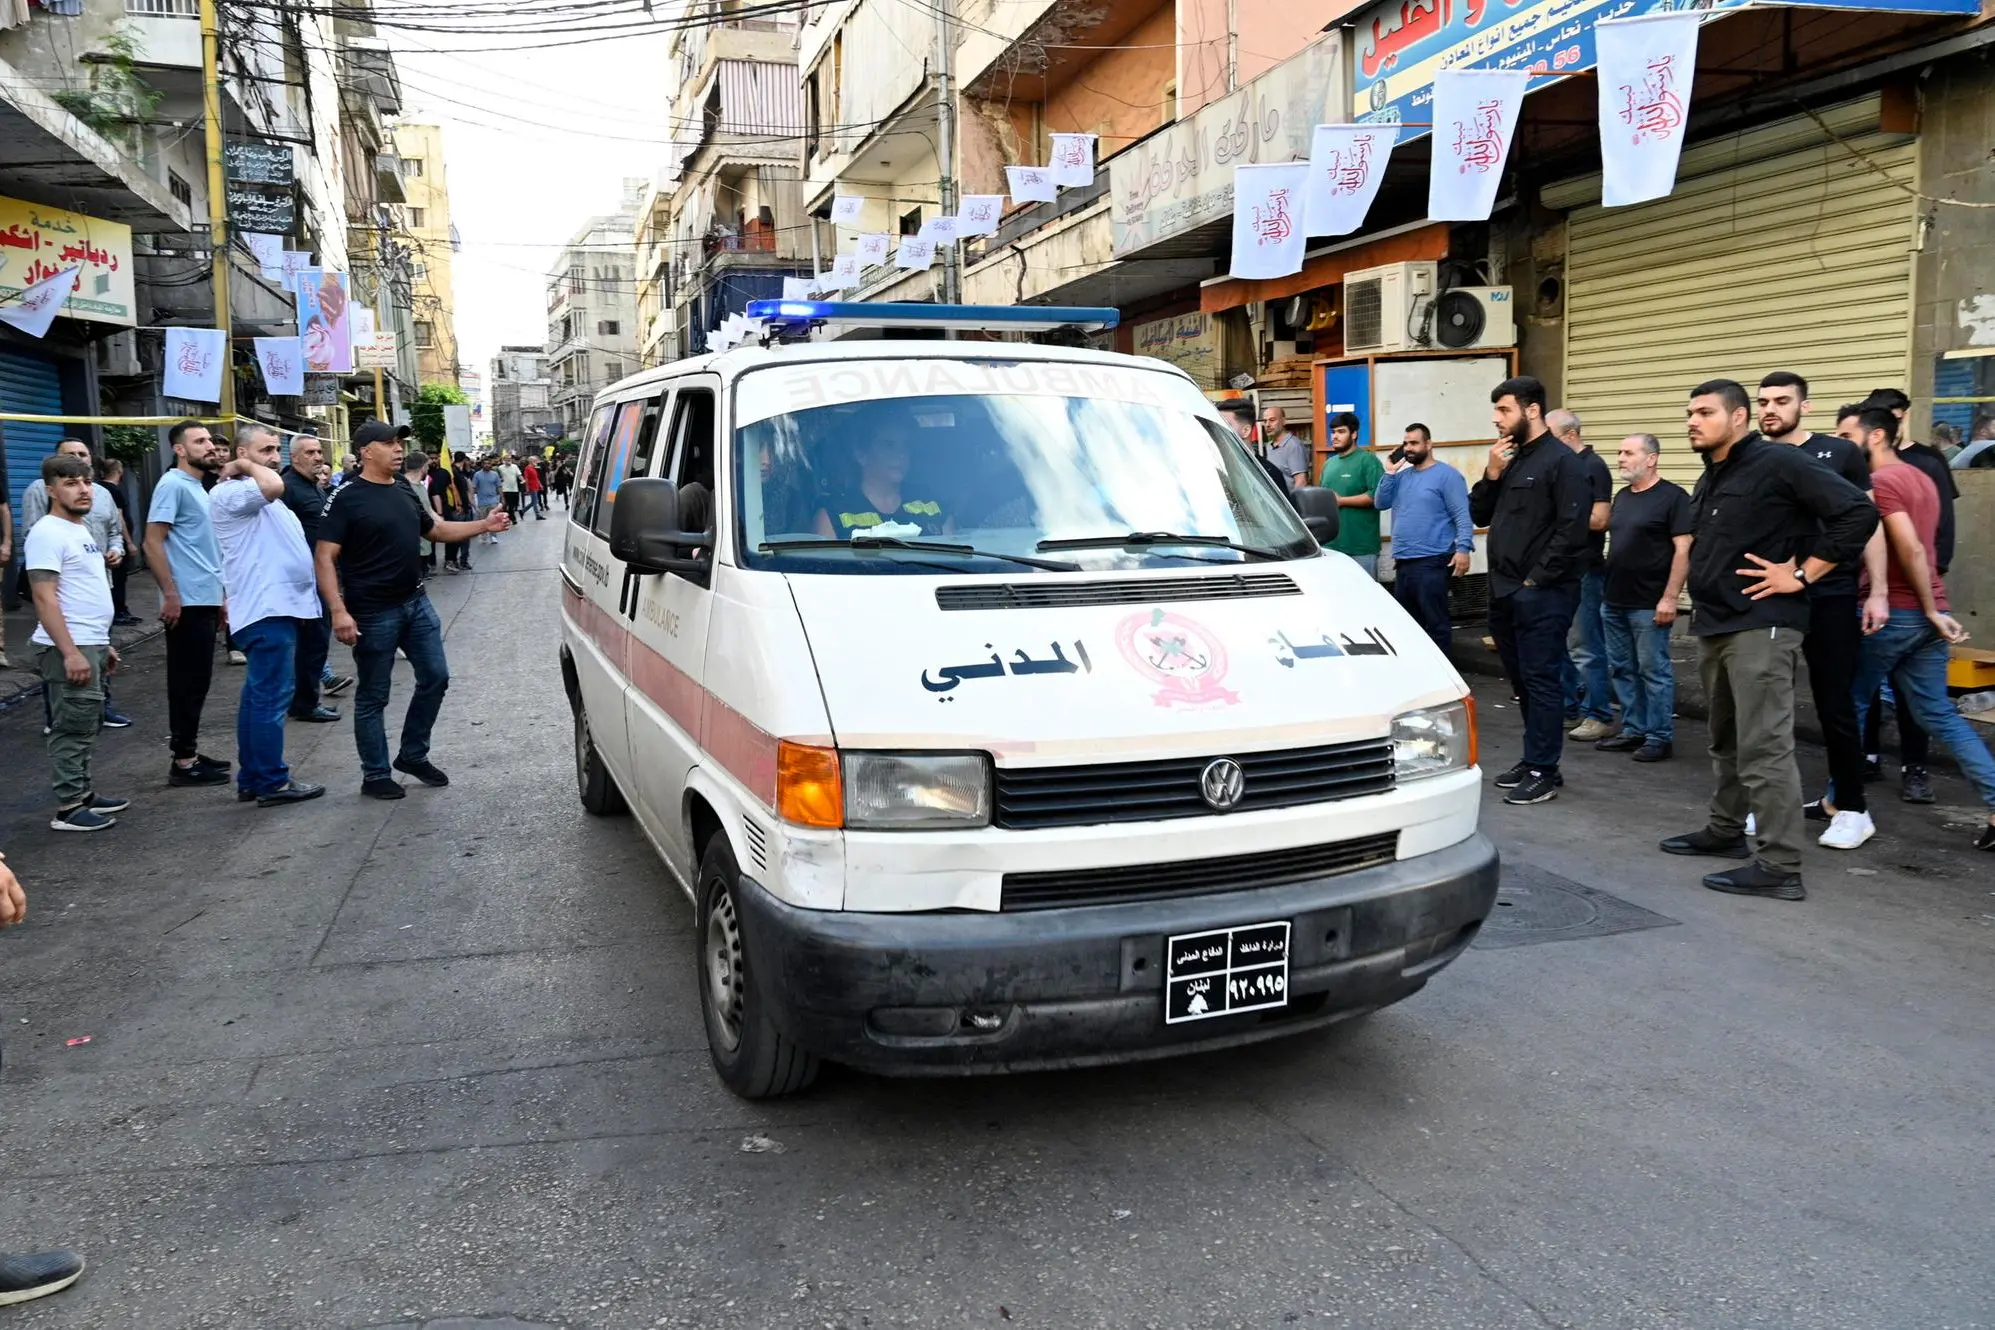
x=1353 y=474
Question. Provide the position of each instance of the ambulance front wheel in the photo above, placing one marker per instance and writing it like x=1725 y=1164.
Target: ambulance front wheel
x=752 y=1057
x=593 y=781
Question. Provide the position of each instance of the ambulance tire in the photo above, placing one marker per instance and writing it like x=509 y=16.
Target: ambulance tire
x=752 y=1057
x=593 y=781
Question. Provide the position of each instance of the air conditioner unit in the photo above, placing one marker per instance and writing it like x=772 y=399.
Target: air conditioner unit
x=1385 y=308
x=118 y=355
x=1469 y=318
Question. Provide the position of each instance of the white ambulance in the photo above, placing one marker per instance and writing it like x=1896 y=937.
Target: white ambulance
x=996 y=709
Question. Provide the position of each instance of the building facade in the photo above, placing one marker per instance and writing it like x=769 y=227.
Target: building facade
x=592 y=310
x=522 y=409
x=430 y=235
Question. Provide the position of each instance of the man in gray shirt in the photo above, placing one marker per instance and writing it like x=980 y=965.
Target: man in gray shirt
x=1285 y=450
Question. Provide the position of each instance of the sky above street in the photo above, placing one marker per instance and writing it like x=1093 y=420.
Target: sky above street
x=535 y=143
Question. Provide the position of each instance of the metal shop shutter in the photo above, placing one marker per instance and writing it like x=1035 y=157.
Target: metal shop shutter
x=1801 y=261
x=28 y=384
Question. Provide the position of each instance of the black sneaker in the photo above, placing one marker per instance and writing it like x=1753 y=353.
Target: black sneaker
x=1536 y=787
x=424 y=771
x=339 y=683
x=1986 y=840
x=383 y=788
x=194 y=775
x=1873 y=769
x=1509 y=779
x=115 y=719
x=1621 y=743
x=105 y=803
x=81 y=818
x=207 y=763
x=1915 y=785
x=318 y=715
x=1812 y=811
x=31 y=1275
x=291 y=793
x=1654 y=752
x=1708 y=842
x=1756 y=879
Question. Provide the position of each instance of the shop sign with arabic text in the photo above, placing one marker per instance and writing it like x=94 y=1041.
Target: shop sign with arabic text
x=37 y=242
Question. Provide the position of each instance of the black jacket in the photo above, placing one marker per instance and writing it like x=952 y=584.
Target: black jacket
x=307 y=500
x=1775 y=501
x=1536 y=512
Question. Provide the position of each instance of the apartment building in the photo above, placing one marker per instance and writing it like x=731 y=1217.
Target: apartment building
x=432 y=238
x=592 y=309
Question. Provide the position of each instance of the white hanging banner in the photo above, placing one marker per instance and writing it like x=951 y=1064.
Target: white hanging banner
x=1475 y=118
x=845 y=272
x=1268 y=232
x=1031 y=184
x=942 y=230
x=295 y=262
x=915 y=252
x=195 y=361
x=268 y=250
x=979 y=214
x=40 y=303
x=874 y=246
x=1073 y=159
x=799 y=288
x=1645 y=72
x=845 y=208
x=363 y=324
x=1346 y=167
x=282 y=360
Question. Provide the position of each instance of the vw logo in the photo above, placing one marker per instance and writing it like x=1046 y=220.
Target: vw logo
x=1222 y=783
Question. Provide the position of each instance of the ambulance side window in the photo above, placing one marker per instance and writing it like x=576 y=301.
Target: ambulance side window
x=589 y=475
x=690 y=465
x=629 y=455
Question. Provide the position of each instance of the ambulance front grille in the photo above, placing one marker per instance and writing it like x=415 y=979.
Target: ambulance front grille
x=1117 y=591
x=1196 y=877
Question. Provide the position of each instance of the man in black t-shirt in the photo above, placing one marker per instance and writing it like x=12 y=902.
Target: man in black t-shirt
x=371 y=579
x=1648 y=560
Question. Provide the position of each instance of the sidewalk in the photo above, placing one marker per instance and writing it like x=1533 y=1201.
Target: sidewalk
x=20 y=683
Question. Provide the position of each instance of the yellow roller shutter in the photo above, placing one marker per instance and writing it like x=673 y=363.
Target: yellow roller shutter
x=1800 y=261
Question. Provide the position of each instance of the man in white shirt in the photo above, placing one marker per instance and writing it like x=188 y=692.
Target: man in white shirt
x=65 y=570
x=509 y=486
x=107 y=527
x=271 y=583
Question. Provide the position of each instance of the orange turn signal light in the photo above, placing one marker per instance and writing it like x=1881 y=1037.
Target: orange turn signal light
x=1474 y=735
x=809 y=790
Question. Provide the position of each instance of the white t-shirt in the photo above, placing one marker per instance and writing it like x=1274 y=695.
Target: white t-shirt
x=58 y=545
x=509 y=478
x=265 y=561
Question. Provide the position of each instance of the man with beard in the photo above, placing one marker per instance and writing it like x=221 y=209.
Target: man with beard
x=1353 y=475
x=306 y=501
x=1432 y=536
x=1834 y=644
x=1769 y=523
x=1647 y=564
x=1536 y=500
x=186 y=561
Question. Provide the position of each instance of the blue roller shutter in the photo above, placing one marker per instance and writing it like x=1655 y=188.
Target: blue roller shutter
x=30 y=384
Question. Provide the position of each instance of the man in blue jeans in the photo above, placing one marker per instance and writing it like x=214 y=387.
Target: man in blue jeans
x=1432 y=536
x=1647 y=564
x=370 y=573
x=1588 y=689
x=1906 y=626
x=267 y=569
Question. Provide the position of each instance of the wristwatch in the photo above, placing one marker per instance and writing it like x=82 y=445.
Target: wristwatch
x=1801 y=574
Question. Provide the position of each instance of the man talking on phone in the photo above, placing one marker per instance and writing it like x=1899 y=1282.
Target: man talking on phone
x=1432 y=534
x=1536 y=499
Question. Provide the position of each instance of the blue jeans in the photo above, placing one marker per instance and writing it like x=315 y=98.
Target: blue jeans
x=1644 y=679
x=1588 y=690
x=1910 y=652
x=414 y=627
x=1368 y=562
x=1420 y=585
x=1530 y=626
x=272 y=648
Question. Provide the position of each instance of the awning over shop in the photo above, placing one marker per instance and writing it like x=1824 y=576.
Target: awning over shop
x=49 y=156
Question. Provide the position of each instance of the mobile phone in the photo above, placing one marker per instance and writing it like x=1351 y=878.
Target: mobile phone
x=1398 y=455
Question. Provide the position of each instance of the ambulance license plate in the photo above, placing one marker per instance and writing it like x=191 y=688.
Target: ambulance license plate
x=1225 y=971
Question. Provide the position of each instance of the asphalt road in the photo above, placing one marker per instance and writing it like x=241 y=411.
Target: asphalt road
x=355 y=1064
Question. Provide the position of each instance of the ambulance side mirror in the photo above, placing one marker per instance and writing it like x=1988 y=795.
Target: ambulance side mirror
x=1318 y=507
x=646 y=531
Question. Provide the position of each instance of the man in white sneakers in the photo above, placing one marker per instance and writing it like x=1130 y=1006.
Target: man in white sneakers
x=65 y=569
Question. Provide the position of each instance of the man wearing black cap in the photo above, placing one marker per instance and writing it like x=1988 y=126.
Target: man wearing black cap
x=371 y=578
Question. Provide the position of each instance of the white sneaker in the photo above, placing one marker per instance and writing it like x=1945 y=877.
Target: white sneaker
x=1752 y=825
x=1847 y=830
x=237 y=658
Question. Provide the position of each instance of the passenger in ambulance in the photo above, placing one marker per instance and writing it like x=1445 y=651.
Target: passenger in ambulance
x=880 y=495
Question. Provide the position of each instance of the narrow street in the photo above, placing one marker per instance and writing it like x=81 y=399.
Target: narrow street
x=361 y=1064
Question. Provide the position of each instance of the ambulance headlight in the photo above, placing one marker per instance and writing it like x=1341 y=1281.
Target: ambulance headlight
x=1434 y=740
x=916 y=791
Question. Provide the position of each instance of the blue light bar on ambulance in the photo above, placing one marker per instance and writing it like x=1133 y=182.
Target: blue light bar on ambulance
x=797 y=314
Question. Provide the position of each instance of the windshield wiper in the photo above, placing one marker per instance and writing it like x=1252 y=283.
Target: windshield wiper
x=1142 y=539
x=863 y=542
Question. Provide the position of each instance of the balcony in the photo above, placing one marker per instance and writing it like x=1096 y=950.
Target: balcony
x=756 y=237
x=49 y=156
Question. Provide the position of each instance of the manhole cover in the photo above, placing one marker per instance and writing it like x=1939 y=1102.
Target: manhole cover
x=1533 y=905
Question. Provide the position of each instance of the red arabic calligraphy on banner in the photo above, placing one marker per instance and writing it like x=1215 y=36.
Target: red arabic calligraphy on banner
x=1479 y=144
x=1351 y=168
x=1654 y=109
x=1273 y=223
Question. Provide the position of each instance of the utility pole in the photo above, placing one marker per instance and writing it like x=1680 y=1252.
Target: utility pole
x=945 y=144
x=218 y=198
